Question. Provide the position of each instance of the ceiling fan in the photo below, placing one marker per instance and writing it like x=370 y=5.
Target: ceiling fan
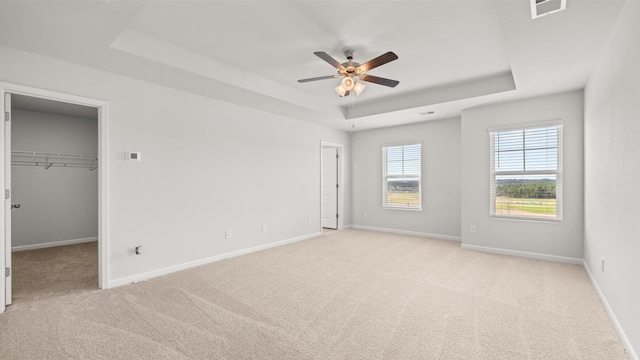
x=350 y=71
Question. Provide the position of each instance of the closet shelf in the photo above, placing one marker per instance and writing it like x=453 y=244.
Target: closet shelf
x=47 y=160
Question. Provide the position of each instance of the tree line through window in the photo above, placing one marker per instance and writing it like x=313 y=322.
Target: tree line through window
x=526 y=172
x=402 y=176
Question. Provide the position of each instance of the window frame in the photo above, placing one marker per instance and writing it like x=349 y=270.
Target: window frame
x=385 y=177
x=559 y=172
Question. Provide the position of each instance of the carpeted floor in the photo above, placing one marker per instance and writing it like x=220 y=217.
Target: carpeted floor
x=53 y=272
x=344 y=295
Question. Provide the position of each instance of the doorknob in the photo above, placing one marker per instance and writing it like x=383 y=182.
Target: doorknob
x=15 y=206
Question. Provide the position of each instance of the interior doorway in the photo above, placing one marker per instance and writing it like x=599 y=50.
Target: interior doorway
x=54 y=175
x=331 y=185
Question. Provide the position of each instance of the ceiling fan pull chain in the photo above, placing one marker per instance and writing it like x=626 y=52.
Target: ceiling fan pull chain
x=353 y=124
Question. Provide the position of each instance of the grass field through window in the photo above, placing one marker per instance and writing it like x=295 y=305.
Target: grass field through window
x=403 y=198
x=525 y=207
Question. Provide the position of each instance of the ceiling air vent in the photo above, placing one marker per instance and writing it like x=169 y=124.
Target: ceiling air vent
x=545 y=7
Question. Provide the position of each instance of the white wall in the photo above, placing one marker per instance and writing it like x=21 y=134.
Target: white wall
x=207 y=166
x=563 y=239
x=440 y=215
x=58 y=204
x=612 y=174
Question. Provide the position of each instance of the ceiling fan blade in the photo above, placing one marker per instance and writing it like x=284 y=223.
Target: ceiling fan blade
x=326 y=57
x=380 y=60
x=319 y=78
x=379 y=80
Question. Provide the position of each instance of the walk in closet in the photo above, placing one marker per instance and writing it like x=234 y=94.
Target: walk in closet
x=54 y=184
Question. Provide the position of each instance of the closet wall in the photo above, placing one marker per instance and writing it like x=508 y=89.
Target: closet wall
x=58 y=205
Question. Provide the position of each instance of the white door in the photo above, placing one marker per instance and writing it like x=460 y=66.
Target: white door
x=329 y=205
x=7 y=202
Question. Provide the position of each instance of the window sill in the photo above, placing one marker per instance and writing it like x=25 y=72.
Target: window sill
x=401 y=208
x=527 y=219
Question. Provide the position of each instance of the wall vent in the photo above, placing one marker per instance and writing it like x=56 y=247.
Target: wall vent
x=545 y=7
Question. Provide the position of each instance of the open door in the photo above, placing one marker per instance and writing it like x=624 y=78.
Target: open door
x=7 y=202
x=329 y=204
x=6 y=289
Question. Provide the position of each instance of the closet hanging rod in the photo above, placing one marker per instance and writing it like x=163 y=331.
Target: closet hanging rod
x=47 y=166
x=56 y=155
x=47 y=160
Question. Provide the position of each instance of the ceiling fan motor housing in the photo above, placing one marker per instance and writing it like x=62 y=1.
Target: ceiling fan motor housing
x=351 y=68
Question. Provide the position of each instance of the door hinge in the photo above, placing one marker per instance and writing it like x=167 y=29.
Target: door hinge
x=337 y=186
x=7 y=194
x=337 y=156
x=7 y=116
x=7 y=272
x=337 y=216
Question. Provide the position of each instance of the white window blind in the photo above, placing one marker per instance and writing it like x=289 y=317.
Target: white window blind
x=526 y=172
x=401 y=174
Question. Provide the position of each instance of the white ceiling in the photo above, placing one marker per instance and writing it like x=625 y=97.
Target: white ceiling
x=452 y=54
x=52 y=107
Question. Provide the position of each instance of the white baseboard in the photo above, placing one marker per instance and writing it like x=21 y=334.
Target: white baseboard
x=53 y=244
x=208 y=260
x=614 y=320
x=406 y=232
x=526 y=254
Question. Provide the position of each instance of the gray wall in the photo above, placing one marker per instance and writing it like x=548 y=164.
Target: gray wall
x=207 y=166
x=440 y=213
x=612 y=174
x=561 y=239
x=57 y=204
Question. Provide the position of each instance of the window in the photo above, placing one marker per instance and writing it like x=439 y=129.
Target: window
x=526 y=172
x=401 y=171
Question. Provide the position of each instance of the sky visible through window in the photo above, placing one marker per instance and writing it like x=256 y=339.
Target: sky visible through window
x=402 y=176
x=521 y=158
x=403 y=160
x=527 y=150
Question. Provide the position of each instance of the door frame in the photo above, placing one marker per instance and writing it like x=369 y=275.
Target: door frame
x=341 y=183
x=103 y=173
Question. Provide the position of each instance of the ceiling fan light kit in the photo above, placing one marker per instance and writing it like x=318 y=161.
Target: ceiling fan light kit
x=350 y=71
x=349 y=84
x=358 y=88
x=341 y=90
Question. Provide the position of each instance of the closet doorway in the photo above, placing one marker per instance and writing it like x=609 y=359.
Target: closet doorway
x=54 y=208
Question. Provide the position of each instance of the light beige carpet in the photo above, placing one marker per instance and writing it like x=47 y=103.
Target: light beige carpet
x=53 y=272
x=345 y=295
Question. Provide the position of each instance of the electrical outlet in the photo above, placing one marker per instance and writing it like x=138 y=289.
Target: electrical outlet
x=366 y=214
x=227 y=234
x=602 y=264
x=309 y=220
x=472 y=229
x=264 y=227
